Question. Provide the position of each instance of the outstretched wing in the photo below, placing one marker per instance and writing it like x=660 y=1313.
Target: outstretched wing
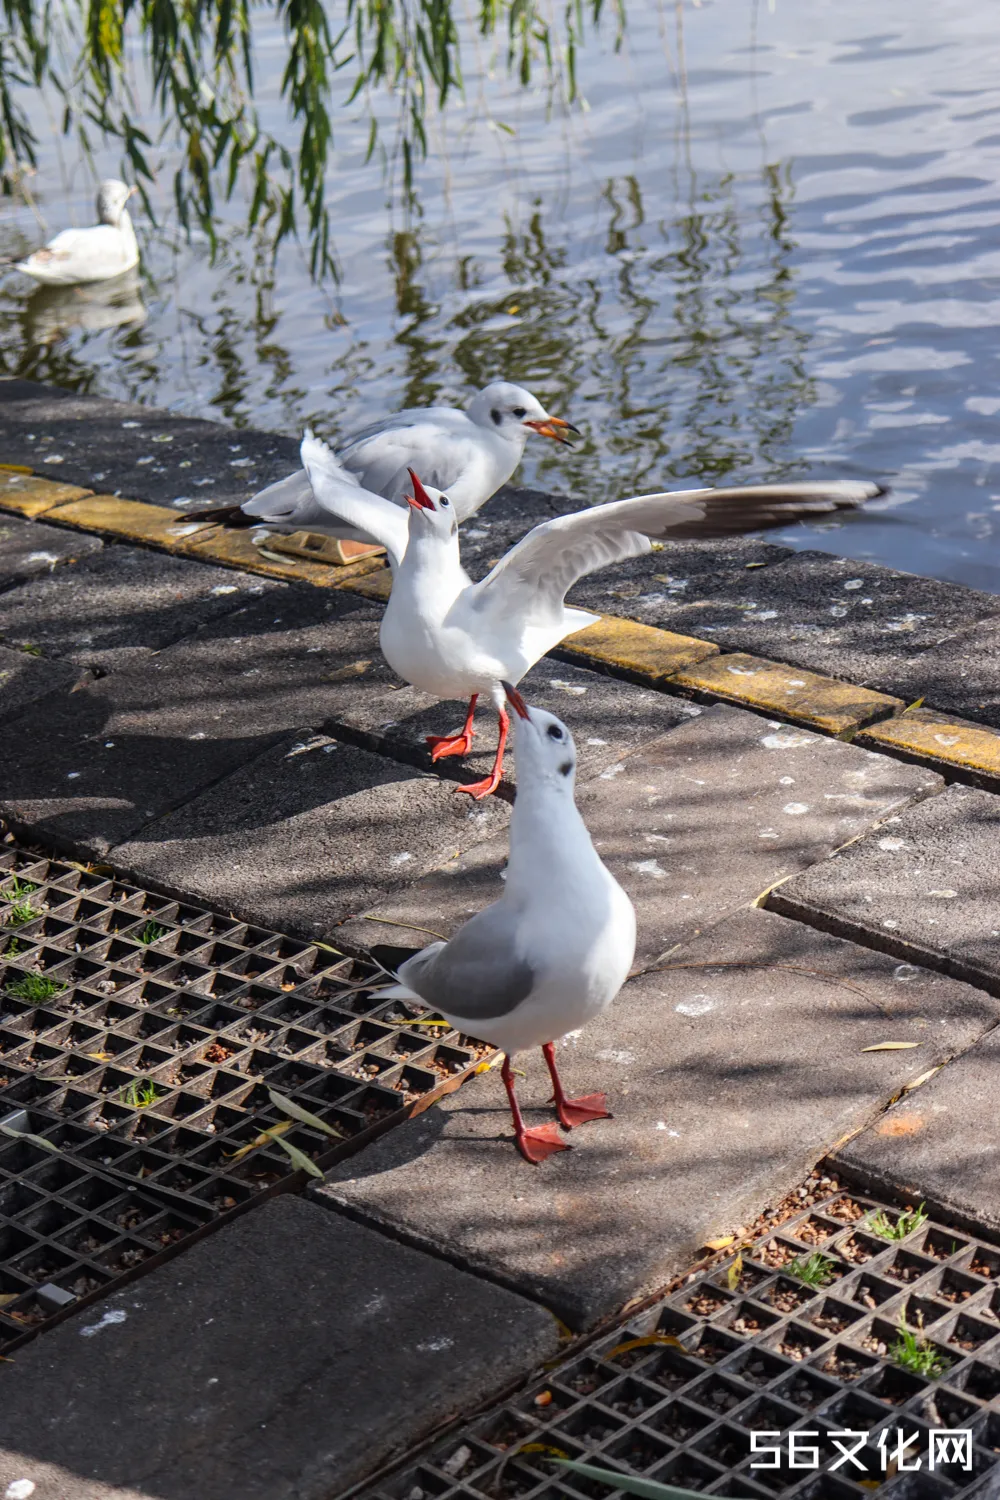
x=532 y=580
x=339 y=494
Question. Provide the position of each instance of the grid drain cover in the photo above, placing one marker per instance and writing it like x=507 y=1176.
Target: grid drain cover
x=679 y=1394
x=140 y=1036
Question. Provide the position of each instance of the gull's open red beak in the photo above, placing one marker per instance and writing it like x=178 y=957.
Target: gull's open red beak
x=554 y=427
x=515 y=700
x=419 y=500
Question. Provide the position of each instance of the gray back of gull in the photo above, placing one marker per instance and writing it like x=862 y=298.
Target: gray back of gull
x=478 y=975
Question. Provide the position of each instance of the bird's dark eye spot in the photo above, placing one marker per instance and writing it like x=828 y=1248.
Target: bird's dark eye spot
x=497 y=416
x=565 y=768
x=444 y=502
x=520 y=411
x=555 y=733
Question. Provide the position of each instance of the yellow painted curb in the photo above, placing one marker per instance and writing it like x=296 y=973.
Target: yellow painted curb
x=234 y=549
x=26 y=495
x=940 y=741
x=642 y=649
x=376 y=585
x=130 y=520
x=791 y=693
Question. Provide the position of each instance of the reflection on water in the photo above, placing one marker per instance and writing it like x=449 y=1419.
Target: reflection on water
x=769 y=247
x=52 y=313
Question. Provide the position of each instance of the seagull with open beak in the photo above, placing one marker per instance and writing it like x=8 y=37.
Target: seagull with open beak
x=458 y=639
x=553 y=952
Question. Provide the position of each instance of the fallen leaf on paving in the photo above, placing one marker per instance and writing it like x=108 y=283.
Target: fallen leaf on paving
x=720 y=1243
x=735 y=1272
x=651 y=1338
x=544 y=1448
x=100 y=1056
x=264 y=1139
x=544 y=1398
x=890 y=1047
x=922 y=1079
x=8 y=1297
x=303 y=1115
x=301 y=1160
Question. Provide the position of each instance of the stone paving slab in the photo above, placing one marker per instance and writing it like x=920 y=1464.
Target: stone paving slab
x=694 y=825
x=29 y=549
x=793 y=692
x=308 y=834
x=940 y=1144
x=286 y=1356
x=836 y=615
x=87 y=768
x=120 y=597
x=25 y=678
x=727 y=1084
x=654 y=588
x=137 y=451
x=923 y=886
x=962 y=675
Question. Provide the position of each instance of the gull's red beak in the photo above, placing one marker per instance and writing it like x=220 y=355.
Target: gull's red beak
x=419 y=500
x=554 y=427
x=515 y=700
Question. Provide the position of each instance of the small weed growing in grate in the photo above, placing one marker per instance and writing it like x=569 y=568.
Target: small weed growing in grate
x=20 y=909
x=813 y=1270
x=35 y=988
x=152 y=932
x=31 y=650
x=913 y=1352
x=910 y=1219
x=140 y=1094
x=13 y=948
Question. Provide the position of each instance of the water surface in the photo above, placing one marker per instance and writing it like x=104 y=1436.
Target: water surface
x=769 y=246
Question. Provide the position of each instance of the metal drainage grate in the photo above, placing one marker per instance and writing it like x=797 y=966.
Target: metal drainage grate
x=769 y=1355
x=140 y=1035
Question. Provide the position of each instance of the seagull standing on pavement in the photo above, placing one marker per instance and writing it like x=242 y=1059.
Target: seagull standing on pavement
x=470 y=454
x=553 y=952
x=457 y=639
x=105 y=250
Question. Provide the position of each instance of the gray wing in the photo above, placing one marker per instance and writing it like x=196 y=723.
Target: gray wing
x=478 y=975
x=439 y=447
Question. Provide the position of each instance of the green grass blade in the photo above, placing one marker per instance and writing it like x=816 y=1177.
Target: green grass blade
x=647 y=1489
x=281 y=1101
x=301 y=1160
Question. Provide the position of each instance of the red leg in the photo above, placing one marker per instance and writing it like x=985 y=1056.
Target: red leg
x=534 y=1145
x=481 y=789
x=573 y=1111
x=455 y=744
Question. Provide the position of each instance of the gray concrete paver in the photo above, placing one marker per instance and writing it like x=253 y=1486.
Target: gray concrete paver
x=100 y=444
x=121 y=598
x=729 y=1073
x=29 y=549
x=962 y=675
x=311 y=832
x=694 y=824
x=940 y=1143
x=849 y=619
x=25 y=678
x=923 y=886
x=286 y=1355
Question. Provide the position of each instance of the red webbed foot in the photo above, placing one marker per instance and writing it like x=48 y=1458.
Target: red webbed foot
x=578 y=1111
x=541 y=1142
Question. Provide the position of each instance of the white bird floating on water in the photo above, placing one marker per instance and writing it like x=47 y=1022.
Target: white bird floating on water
x=553 y=952
x=468 y=453
x=457 y=639
x=103 y=251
